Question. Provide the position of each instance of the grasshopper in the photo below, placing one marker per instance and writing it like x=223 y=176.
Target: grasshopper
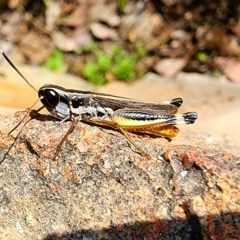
x=121 y=114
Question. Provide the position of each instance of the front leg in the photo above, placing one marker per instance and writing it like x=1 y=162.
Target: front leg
x=72 y=127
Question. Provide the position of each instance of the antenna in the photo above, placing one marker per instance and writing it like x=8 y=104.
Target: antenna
x=15 y=68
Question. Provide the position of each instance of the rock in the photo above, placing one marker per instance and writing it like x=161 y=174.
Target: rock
x=100 y=187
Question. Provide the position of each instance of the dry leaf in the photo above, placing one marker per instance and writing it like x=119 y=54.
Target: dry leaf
x=35 y=47
x=170 y=66
x=99 y=12
x=81 y=37
x=52 y=14
x=103 y=32
x=216 y=38
x=78 y=17
x=230 y=67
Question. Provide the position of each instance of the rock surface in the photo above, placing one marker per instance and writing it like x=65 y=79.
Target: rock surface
x=100 y=188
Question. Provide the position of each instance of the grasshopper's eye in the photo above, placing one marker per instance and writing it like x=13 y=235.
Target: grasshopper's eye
x=51 y=97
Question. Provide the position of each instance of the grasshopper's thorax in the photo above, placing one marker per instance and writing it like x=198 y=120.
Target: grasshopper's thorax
x=68 y=104
x=83 y=103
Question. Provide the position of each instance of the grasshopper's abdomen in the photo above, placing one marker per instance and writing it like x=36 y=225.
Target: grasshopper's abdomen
x=140 y=119
x=161 y=131
x=135 y=119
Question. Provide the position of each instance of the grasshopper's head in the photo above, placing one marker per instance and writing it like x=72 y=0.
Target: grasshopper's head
x=55 y=100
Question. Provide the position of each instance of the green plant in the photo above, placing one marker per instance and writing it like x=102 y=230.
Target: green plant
x=94 y=74
x=141 y=49
x=121 y=6
x=201 y=56
x=56 y=61
x=121 y=64
x=124 y=64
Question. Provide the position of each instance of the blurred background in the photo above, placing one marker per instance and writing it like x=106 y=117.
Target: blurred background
x=148 y=50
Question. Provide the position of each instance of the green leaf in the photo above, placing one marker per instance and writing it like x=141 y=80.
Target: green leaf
x=202 y=56
x=56 y=61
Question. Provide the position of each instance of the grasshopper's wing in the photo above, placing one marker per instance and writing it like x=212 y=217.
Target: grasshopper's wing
x=116 y=103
